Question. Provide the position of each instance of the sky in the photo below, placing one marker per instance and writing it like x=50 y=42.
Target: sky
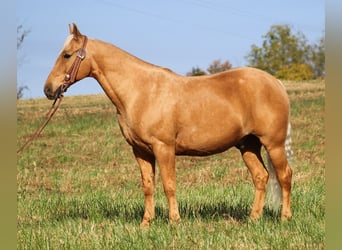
x=178 y=34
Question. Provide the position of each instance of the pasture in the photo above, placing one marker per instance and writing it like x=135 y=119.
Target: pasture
x=79 y=186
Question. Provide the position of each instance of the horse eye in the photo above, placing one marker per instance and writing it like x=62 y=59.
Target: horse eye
x=66 y=56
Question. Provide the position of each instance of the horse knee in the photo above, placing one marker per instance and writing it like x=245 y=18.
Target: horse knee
x=170 y=189
x=148 y=186
x=260 y=180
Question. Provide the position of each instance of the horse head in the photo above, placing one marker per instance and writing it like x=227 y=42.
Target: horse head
x=72 y=64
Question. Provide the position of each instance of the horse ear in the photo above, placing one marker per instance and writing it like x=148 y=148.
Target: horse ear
x=74 y=31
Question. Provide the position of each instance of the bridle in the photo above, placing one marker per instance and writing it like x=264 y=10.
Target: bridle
x=70 y=76
x=69 y=79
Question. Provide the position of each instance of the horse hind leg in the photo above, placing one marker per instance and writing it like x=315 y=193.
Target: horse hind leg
x=283 y=172
x=250 y=149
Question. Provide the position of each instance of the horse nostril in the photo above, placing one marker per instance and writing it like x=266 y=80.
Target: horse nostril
x=48 y=92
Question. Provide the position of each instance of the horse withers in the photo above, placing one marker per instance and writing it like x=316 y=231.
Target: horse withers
x=162 y=114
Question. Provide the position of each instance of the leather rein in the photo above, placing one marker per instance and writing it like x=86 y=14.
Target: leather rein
x=69 y=79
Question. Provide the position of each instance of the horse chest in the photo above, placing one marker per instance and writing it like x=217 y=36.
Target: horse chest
x=126 y=130
x=131 y=135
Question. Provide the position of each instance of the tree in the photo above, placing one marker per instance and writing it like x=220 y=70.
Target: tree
x=21 y=35
x=318 y=58
x=215 y=67
x=20 y=91
x=196 y=71
x=283 y=54
x=295 y=72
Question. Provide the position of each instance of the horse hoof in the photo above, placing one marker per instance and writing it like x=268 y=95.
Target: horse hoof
x=144 y=224
x=255 y=216
x=175 y=221
x=286 y=217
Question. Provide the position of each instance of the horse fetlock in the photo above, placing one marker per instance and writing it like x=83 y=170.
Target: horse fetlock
x=255 y=214
x=148 y=217
x=175 y=219
x=174 y=213
x=286 y=216
x=144 y=224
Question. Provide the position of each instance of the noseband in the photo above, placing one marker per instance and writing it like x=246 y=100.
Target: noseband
x=71 y=74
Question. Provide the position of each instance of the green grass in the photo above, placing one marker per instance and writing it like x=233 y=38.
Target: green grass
x=79 y=186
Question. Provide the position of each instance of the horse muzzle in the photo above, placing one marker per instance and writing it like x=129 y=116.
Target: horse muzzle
x=50 y=94
x=53 y=94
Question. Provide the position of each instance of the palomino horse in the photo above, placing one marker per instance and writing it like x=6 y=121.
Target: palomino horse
x=162 y=114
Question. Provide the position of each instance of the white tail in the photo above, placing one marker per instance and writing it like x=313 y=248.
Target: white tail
x=274 y=195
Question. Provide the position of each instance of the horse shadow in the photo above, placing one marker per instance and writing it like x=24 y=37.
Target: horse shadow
x=133 y=210
x=221 y=210
x=215 y=211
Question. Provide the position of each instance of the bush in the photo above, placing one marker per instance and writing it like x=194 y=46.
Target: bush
x=295 y=72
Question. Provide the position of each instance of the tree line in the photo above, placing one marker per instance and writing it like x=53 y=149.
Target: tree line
x=283 y=54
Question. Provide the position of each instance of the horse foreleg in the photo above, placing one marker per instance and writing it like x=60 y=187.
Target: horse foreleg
x=165 y=156
x=250 y=151
x=147 y=168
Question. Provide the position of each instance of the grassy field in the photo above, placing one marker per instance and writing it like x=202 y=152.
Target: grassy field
x=79 y=186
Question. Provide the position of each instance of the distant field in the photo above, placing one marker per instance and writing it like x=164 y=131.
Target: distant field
x=79 y=186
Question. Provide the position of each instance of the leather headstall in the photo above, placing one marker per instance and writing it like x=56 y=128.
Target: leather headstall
x=71 y=74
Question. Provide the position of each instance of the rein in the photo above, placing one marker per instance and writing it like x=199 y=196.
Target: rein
x=70 y=78
x=51 y=112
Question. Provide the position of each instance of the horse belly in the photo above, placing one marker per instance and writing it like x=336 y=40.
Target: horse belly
x=202 y=141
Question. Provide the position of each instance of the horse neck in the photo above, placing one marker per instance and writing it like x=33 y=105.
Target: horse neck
x=119 y=73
